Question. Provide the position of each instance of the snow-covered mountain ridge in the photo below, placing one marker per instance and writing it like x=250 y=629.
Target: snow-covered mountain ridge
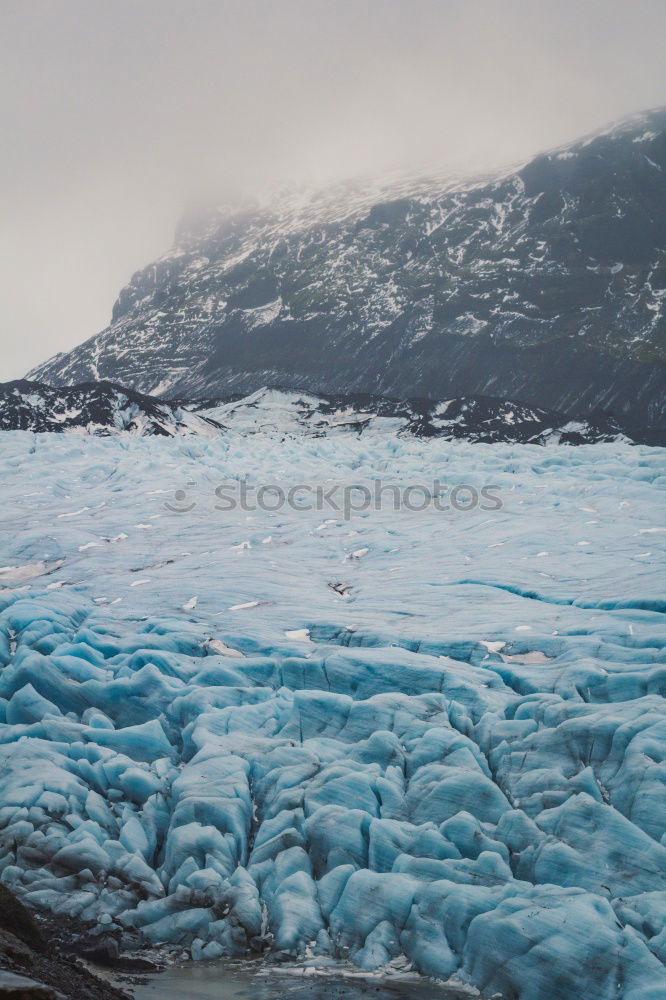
x=99 y=408
x=474 y=418
x=103 y=408
x=545 y=284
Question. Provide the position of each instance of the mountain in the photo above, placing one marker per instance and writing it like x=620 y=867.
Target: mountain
x=473 y=418
x=546 y=285
x=102 y=408
x=99 y=408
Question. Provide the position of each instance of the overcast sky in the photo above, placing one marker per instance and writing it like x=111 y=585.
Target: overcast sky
x=117 y=114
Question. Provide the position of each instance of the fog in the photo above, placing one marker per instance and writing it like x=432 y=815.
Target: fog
x=119 y=114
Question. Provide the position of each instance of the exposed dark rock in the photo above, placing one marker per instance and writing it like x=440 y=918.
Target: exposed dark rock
x=108 y=409
x=96 y=408
x=37 y=960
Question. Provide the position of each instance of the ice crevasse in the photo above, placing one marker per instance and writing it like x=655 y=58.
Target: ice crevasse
x=455 y=760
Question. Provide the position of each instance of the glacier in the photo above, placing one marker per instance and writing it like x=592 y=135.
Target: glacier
x=429 y=737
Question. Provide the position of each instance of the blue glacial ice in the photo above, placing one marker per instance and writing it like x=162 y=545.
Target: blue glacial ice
x=421 y=737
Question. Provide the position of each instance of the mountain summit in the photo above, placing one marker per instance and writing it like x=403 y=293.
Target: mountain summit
x=546 y=284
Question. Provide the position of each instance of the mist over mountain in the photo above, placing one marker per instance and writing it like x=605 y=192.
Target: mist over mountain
x=545 y=285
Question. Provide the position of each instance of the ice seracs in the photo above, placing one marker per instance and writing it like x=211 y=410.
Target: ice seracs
x=458 y=766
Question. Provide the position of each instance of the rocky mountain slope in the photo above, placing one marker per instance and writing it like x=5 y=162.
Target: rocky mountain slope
x=103 y=408
x=94 y=408
x=546 y=285
x=37 y=958
x=473 y=418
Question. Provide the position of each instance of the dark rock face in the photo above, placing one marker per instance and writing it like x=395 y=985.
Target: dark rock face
x=103 y=409
x=18 y=921
x=94 y=408
x=546 y=285
x=36 y=960
x=471 y=418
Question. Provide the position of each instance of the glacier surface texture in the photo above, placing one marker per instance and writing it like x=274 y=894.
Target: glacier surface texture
x=428 y=737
